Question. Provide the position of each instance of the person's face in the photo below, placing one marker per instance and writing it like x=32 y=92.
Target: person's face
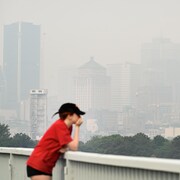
x=75 y=118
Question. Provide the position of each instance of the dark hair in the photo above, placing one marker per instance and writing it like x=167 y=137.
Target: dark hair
x=64 y=115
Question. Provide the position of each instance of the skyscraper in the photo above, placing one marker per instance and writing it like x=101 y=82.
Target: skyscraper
x=2 y=88
x=38 y=112
x=125 y=79
x=160 y=89
x=21 y=61
x=92 y=86
x=162 y=56
x=161 y=62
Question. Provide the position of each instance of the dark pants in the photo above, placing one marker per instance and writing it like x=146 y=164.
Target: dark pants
x=32 y=172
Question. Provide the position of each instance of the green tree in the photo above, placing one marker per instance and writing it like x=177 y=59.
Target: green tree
x=4 y=135
x=125 y=146
x=141 y=145
x=109 y=144
x=138 y=145
x=159 y=140
x=113 y=144
x=161 y=147
x=175 y=148
x=91 y=145
x=22 y=140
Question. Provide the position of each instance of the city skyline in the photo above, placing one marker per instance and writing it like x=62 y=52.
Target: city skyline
x=111 y=31
x=149 y=98
x=138 y=41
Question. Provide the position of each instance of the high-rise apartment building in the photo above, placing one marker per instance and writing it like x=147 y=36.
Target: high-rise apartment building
x=92 y=86
x=38 y=112
x=125 y=79
x=21 y=61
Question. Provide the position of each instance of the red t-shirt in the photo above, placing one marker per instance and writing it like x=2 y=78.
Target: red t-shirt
x=46 y=153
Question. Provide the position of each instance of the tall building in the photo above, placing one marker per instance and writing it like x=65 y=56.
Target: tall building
x=21 y=61
x=162 y=56
x=66 y=76
x=2 y=88
x=161 y=61
x=125 y=79
x=92 y=86
x=38 y=112
x=159 y=93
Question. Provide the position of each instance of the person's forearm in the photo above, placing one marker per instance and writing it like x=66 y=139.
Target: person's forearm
x=73 y=145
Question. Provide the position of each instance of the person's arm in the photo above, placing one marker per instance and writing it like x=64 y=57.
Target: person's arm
x=73 y=145
x=63 y=149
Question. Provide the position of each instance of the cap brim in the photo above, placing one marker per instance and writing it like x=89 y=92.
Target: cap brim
x=81 y=113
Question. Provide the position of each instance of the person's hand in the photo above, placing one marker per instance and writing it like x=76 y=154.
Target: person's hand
x=63 y=149
x=79 y=121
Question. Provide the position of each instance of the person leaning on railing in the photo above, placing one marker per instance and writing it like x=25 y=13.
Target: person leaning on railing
x=56 y=140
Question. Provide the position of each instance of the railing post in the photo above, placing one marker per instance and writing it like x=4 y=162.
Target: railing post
x=68 y=173
x=58 y=171
x=11 y=166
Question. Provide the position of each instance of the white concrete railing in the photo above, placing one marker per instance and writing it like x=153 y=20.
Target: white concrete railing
x=88 y=166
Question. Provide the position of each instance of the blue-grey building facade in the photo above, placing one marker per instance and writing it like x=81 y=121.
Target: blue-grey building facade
x=21 y=61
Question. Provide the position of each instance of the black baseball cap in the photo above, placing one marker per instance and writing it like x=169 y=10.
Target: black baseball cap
x=69 y=107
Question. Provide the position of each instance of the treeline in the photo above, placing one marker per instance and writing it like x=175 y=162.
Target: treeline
x=138 y=145
x=18 y=140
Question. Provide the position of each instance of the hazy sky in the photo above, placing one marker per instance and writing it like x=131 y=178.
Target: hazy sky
x=109 y=30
